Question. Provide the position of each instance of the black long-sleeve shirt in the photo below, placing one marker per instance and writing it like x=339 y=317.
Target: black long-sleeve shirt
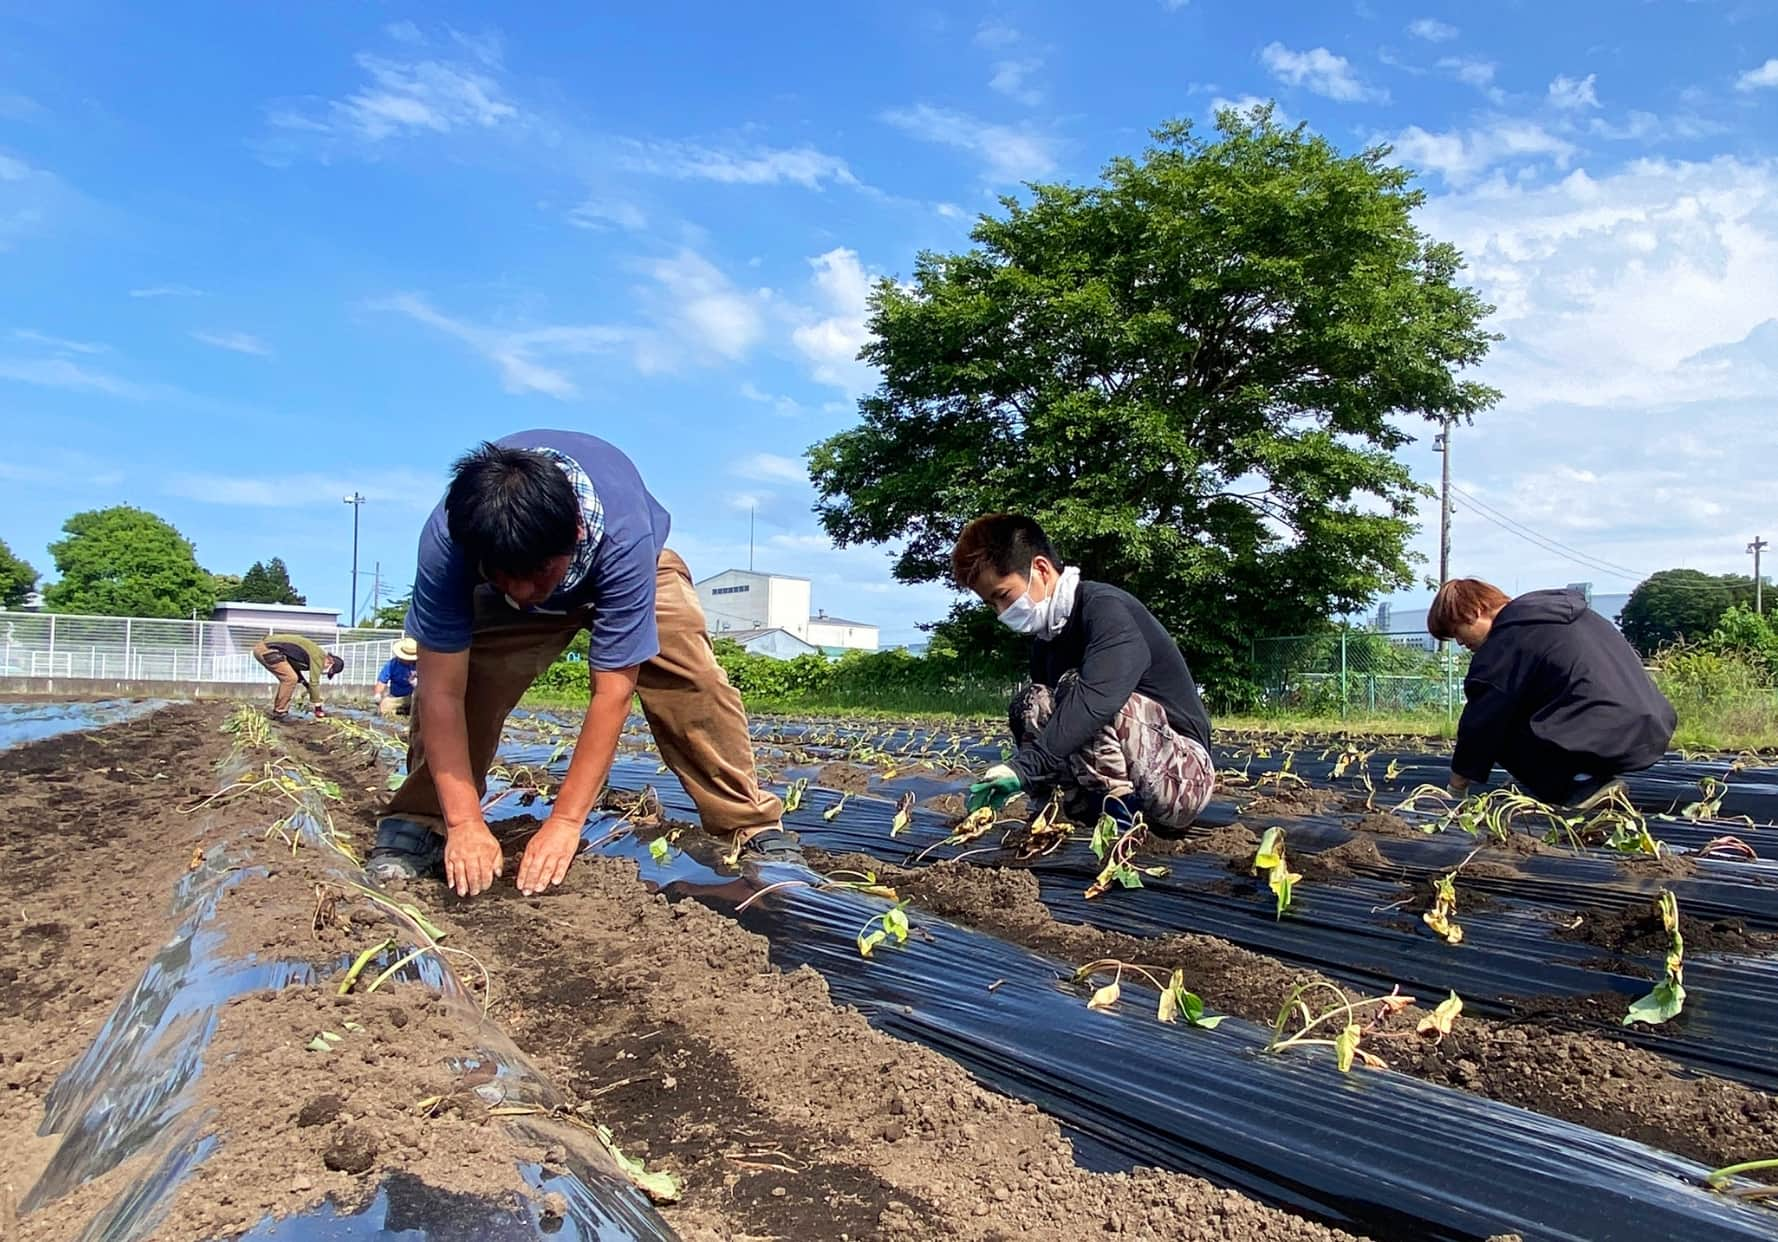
x=1118 y=649
x=1555 y=691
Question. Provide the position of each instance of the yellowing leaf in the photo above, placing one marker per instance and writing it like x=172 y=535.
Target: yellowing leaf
x=1271 y=851
x=1346 y=1046
x=1169 y=1010
x=870 y=940
x=1105 y=997
x=1439 y=1020
x=895 y=922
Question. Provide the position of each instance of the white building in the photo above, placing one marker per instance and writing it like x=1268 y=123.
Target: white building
x=836 y=634
x=743 y=600
x=779 y=644
x=739 y=599
x=294 y=618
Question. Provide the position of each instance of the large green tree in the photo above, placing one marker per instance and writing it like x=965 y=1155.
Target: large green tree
x=17 y=578
x=1194 y=374
x=392 y=615
x=268 y=583
x=1677 y=605
x=125 y=562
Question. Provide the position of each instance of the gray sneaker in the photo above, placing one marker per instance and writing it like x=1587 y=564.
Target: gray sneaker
x=405 y=850
x=771 y=845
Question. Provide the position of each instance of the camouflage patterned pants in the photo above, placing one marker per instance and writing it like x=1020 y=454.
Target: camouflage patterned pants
x=1139 y=753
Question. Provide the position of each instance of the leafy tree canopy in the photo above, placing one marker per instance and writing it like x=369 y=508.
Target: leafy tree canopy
x=268 y=583
x=1680 y=605
x=126 y=562
x=392 y=615
x=1192 y=374
x=17 y=578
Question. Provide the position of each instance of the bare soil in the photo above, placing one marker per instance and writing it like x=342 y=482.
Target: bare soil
x=1555 y=1063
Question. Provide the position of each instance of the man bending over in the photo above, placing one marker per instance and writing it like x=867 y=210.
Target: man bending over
x=540 y=535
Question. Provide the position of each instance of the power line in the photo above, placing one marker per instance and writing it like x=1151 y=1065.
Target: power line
x=1559 y=549
x=1548 y=542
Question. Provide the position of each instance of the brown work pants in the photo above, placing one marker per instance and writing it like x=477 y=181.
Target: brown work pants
x=696 y=716
x=279 y=666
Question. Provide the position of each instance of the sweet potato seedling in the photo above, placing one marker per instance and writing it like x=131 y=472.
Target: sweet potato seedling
x=793 y=795
x=890 y=924
x=904 y=815
x=1668 y=997
x=1269 y=858
x=1442 y=918
x=833 y=812
x=1116 y=848
x=1176 y=1001
x=1346 y=1014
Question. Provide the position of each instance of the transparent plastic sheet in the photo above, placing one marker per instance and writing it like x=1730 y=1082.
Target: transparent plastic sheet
x=1387 y=1155
x=134 y=1093
x=35 y=721
x=1338 y=928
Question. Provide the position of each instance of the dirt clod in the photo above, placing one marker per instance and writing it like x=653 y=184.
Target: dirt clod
x=353 y=1150
x=321 y=1111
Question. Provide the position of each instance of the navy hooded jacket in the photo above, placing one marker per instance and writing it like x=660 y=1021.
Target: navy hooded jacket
x=1555 y=692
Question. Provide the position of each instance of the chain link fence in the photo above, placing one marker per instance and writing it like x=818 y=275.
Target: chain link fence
x=1353 y=672
x=37 y=645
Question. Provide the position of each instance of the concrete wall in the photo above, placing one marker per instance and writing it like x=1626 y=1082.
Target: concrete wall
x=851 y=637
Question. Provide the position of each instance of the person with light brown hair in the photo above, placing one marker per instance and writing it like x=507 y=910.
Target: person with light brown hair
x=1556 y=695
x=1112 y=718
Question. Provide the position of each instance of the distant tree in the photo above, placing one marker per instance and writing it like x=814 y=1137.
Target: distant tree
x=268 y=583
x=1194 y=374
x=17 y=578
x=1680 y=604
x=391 y=616
x=125 y=562
x=227 y=586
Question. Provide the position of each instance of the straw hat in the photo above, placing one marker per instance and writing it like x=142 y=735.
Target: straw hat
x=405 y=648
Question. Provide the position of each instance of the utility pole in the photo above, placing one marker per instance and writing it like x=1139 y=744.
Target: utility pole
x=376 y=587
x=356 y=500
x=1443 y=444
x=1756 y=547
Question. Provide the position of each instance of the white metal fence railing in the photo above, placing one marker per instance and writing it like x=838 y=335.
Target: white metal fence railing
x=37 y=644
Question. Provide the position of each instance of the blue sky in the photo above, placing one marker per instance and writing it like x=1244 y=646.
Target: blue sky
x=255 y=257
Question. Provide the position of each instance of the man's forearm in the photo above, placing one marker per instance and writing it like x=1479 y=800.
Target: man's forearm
x=446 y=730
x=593 y=753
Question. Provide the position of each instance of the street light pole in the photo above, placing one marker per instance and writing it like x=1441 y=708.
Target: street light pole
x=356 y=500
x=1756 y=547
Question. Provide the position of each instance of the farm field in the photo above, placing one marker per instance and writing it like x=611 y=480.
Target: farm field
x=215 y=1028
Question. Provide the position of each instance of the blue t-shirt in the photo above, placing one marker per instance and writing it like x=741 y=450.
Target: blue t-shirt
x=619 y=584
x=398 y=675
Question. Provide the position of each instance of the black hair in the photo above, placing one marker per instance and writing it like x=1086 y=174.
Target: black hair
x=1006 y=543
x=510 y=510
x=335 y=665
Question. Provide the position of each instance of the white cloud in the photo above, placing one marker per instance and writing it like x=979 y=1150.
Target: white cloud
x=702 y=312
x=997 y=36
x=70 y=376
x=744 y=502
x=167 y=291
x=12 y=169
x=30 y=199
x=771 y=468
x=1012 y=78
x=1574 y=93
x=235 y=342
x=528 y=360
x=804 y=166
x=59 y=344
x=1462 y=156
x=1470 y=70
x=1758 y=79
x=802 y=543
x=831 y=336
x=1320 y=71
x=1645 y=289
x=782 y=405
x=950 y=211
x=407 y=489
x=1008 y=153
x=399 y=98
x=599 y=214
x=1246 y=104
x=1432 y=30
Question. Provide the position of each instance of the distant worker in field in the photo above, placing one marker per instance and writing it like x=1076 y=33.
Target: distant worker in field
x=1112 y=717
x=397 y=678
x=1556 y=695
x=294 y=661
x=539 y=536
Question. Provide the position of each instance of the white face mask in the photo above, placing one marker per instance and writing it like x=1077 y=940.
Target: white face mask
x=1024 y=615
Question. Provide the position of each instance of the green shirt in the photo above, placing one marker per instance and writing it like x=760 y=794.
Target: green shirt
x=304 y=656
